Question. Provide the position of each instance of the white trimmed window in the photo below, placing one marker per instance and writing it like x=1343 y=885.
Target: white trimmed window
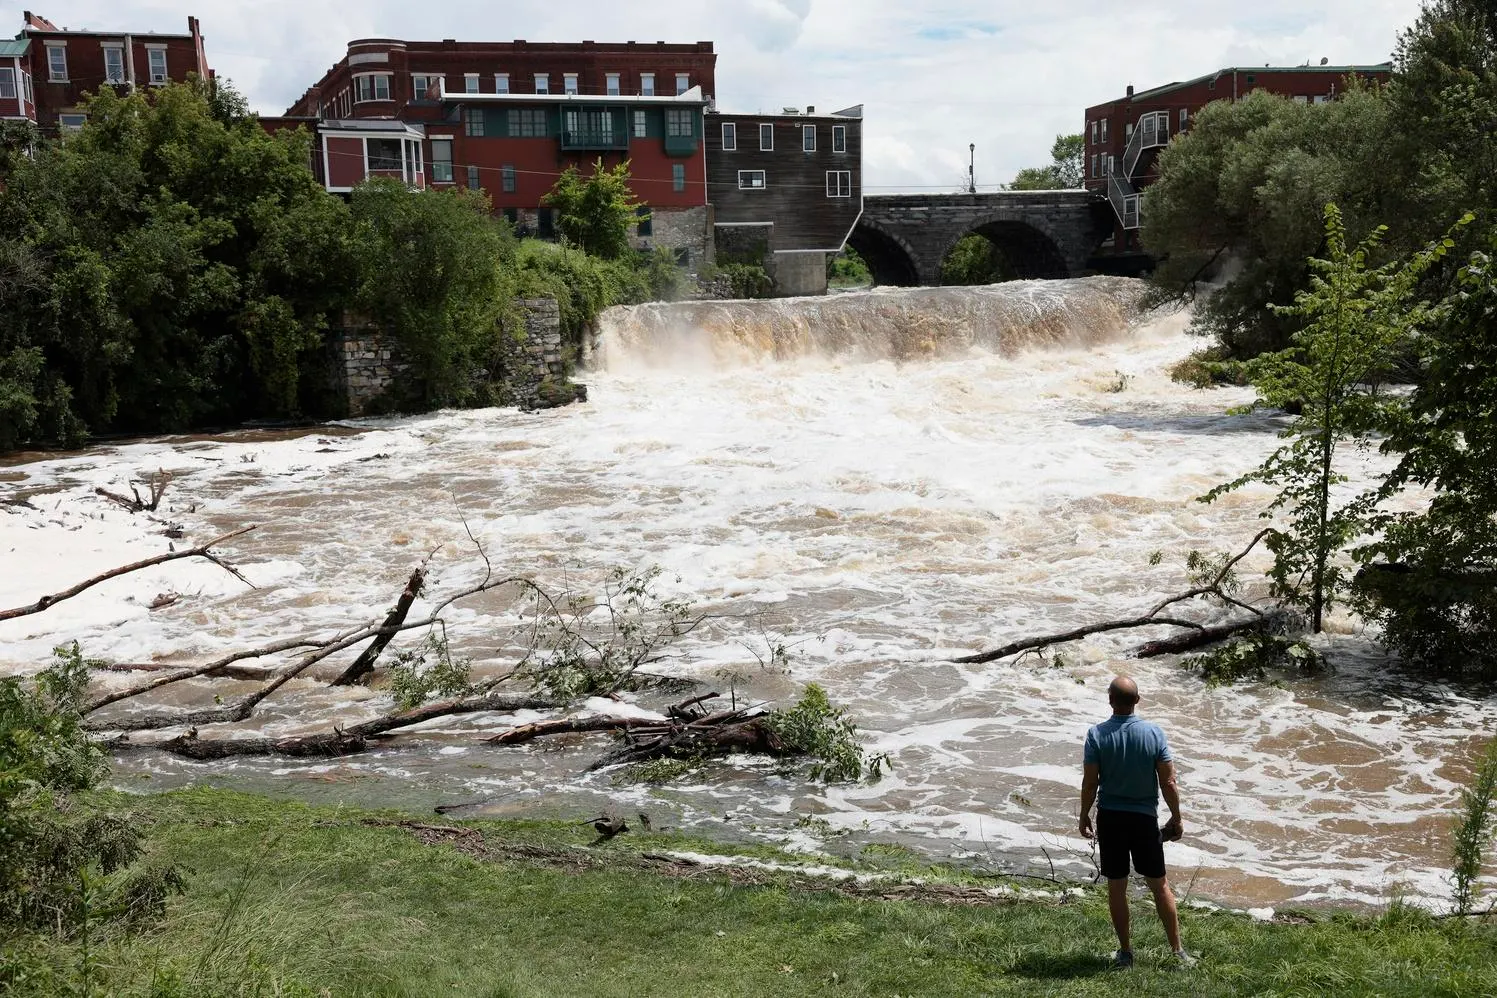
x=71 y=123
x=114 y=64
x=683 y=83
x=839 y=183
x=647 y=84
x=421 y=84
x=751 y=180
x=1094 y=133
x=839 y=138
x=1104 y=129
x=371 y=86
x=766 y=137
x=613 y=84
x=641 y=128
x=57 y=62
x=730 y=136
x=441 y=161
x=543 y=83
x=501 y=83
x=808 y=138
x=1184 y=118
x=470 y=83
x=7 y=83
x=156 y=63
x=569 y=83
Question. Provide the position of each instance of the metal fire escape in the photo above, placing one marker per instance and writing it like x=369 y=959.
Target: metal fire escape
x=1151 y=132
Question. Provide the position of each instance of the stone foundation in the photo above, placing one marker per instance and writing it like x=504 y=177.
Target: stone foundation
x=688 y=229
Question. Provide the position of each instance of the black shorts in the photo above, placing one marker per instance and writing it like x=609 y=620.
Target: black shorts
x=1124 y=833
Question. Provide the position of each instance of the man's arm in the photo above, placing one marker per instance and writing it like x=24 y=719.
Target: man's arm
x=1091 y=775
x=1165 y=770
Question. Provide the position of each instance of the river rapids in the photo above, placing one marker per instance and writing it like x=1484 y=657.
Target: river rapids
x=881 y=481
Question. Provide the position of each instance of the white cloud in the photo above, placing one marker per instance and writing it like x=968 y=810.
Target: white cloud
x=1007 y=75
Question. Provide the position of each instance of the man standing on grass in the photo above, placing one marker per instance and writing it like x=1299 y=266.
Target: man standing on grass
x=1130 y=761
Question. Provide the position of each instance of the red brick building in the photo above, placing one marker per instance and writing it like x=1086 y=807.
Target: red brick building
x=1124 y=136
x=510 y=117
x=46 y=71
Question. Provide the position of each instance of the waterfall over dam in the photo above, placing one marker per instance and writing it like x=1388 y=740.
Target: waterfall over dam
x=901 y=324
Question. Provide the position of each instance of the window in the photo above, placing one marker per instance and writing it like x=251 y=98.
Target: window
x=508 y=179
x=678 y=177
x=1094 y=133
x=527 y=123
x=839 y=138
x=441 y=161
x=545 y=223
x=647 y=84
x=70 y=123
x=543 y=83
x=569 y=83
x=646 y=224
x=839 y=183
x=678 y=122
x=750 y=180
x=157 y=60
x=473 y=183
x=383 y=154
x=683 y=83
x=590 y=127
x=730 y=136
x=7 y=83
x=501 y=83
x=473 y=121
x=470 y=83
x=612 y=80
x=57 y=62
x=1128 y=132
x=1251 y=79
x=421 y=86
x=766 y=138
x=1301 y=99
x=1184 y=118
x=374 y=86
x=1321 y=98
x=1094 y=164
x=640 y=128
x=808 y=138
x=1104 y=129
x=1112 y=165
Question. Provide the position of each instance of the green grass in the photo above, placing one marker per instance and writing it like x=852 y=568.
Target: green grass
x=286 y=899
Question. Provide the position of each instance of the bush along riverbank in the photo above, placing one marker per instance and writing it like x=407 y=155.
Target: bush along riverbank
x=284 y=899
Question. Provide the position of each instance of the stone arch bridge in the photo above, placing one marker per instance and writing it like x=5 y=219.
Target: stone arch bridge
x=1043 y=234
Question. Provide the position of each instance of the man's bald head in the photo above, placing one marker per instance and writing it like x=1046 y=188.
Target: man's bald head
x=1122 y=693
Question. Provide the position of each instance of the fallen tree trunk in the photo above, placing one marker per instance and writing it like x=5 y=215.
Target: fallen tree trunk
x=1190 y=640
x=1046 y=640
x=364 y=664
x=572 y=725
x=201 y=551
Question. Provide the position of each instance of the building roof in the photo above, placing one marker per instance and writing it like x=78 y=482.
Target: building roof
x=1382 y=67
x=692 y=96
x=38 y=25
x=11 y=47
x=356 y=126
x=854 y=112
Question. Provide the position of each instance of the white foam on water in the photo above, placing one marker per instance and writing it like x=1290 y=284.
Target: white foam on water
x=949 y=471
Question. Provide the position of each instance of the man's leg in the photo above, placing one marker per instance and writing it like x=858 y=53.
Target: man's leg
x=1117 y=906
x=1169 y=915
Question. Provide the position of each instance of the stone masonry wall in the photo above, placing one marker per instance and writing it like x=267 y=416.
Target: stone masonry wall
x=681 y=228
x=365 y=365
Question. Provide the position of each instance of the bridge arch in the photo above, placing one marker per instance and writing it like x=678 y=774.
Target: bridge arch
x=889 y=257
x=1032 y=252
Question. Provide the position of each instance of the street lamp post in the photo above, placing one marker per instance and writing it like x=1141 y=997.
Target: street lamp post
x=971 y=167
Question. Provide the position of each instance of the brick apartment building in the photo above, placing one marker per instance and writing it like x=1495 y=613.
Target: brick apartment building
x=786 y=190
x=46 y=70
x=510 y=117
x=1124 y=136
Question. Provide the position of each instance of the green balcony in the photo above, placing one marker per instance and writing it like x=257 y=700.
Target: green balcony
x=681 y=145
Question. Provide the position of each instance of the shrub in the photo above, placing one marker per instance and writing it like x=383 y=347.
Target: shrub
x=1473 y=831
x=825 y=734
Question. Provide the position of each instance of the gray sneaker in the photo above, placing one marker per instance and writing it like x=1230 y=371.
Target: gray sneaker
x=1183 y=960
x=1122 y=959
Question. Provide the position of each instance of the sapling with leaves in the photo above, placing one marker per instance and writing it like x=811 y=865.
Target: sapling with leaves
x=1354 y=318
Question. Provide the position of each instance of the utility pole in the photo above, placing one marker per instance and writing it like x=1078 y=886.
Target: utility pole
x=971 y=167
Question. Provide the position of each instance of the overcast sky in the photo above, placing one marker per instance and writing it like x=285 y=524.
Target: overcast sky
x=1007 y=75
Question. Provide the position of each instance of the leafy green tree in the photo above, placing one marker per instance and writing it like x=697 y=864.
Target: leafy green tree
x=1065 y=170
x=1352 y=316
x=975 y=260
x=596 y=212
x=1241 y=193
x=430 y=270
x=1433 y=586
x=848 y=269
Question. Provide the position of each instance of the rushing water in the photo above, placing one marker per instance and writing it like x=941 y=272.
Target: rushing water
x=881 y=480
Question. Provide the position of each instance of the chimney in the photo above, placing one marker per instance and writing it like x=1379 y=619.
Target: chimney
x=810 y=108
x=1130 y=90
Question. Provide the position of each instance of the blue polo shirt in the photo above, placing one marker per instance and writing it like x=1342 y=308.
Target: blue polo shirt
x=1126 y=750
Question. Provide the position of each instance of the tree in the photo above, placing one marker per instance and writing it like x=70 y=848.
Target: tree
x=1353 y=316
x=1247 y=184
x=975 y=260
x=1433 y=586
x=430 y=267
x=1066 y=169
x=596 y=212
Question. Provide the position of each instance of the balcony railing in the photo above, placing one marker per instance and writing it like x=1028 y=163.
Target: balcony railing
x=594 y=138
x=1151 y=132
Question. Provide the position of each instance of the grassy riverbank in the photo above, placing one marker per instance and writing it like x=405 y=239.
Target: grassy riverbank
x=285 y=899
